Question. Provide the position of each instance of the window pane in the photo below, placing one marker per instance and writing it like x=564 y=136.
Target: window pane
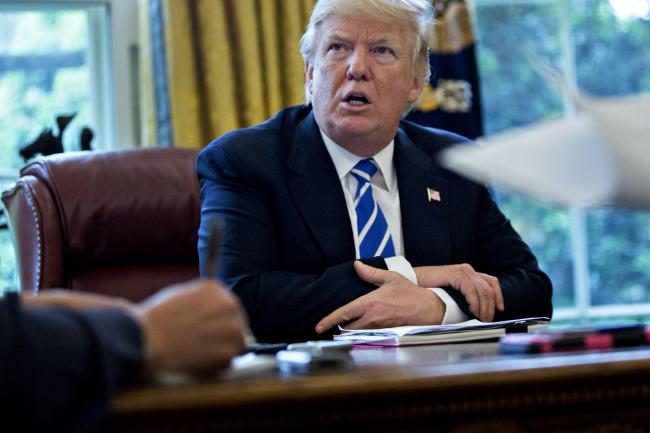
x=512 y=92
x=619 y=255
x=43 y=73
x=7 y=263
x=619 y=241
x=612 y=55
x=546 y=230
x=7 y=260
x=514 y=95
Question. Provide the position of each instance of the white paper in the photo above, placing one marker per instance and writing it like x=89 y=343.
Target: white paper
x=469 y=325
x=598 y=157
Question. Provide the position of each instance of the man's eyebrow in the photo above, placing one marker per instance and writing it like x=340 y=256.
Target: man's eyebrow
x=384 y=39
x=338 y=36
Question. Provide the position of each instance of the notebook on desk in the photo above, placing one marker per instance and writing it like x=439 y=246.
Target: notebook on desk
x=471 y=330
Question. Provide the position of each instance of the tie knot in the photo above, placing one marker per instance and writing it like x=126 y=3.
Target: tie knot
x=364 y=170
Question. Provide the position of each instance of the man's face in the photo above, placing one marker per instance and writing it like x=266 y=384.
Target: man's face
x=361 y=81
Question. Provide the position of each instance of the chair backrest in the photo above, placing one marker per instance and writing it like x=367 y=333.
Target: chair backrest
x=122 y=223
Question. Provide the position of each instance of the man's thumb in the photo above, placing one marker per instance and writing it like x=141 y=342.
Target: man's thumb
x=369 y=274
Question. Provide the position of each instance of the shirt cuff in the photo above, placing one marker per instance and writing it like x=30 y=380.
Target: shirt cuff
x=453 y=313
x=402 y=266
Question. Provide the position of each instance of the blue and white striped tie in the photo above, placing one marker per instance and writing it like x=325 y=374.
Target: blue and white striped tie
x=374 y=235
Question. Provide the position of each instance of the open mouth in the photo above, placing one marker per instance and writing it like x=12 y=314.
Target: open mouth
x=357 y=99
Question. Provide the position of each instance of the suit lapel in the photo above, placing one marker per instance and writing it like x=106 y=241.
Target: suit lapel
x=425 y=220
x=317 y=192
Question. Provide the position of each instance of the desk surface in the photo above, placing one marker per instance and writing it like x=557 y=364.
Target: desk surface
x=462 y=387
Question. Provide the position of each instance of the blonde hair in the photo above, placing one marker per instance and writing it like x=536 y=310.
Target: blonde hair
x=419 y=13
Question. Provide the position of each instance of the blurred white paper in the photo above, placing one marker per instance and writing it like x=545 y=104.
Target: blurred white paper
x=599 y=157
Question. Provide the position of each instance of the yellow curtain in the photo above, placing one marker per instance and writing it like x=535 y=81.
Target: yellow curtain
x=231 y=64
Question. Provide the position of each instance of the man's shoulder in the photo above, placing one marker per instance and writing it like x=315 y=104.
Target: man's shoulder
x=432 y=140
x=272 y=131
x=256 y=149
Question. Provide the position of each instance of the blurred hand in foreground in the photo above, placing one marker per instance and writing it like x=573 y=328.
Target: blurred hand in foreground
x=193 y=326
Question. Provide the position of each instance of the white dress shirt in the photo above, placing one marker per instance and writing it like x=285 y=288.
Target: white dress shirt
x=385 y=191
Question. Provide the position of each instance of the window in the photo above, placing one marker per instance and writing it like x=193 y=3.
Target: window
x=54 y=60
x=599 y=260
x=50 y=56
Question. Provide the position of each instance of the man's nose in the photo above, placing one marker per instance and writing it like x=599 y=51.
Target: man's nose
x=358 y=67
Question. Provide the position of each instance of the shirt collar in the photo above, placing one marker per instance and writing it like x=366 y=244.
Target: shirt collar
x=345 y=160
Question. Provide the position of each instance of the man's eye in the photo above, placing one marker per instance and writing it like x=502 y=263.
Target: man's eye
x=382 y=50
x=336 y=47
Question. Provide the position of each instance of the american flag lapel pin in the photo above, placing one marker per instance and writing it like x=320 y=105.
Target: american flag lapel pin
x=433 y=195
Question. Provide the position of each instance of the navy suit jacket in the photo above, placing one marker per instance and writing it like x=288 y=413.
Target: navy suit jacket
x=59 y=368
x=287 y=245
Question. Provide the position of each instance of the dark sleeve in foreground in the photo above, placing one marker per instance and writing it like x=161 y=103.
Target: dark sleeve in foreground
x=60 y=368
x=285 y=289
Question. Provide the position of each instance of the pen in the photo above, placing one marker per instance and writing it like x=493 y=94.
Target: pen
x=212 y=269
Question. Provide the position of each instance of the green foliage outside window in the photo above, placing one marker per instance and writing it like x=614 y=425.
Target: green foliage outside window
x=611 y=58
x=30 y=97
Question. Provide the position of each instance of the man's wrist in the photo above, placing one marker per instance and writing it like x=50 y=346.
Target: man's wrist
x=150 y=349
x=439 y=308
x=453 y=313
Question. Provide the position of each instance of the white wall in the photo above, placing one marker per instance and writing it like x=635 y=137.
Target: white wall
x=124 y=23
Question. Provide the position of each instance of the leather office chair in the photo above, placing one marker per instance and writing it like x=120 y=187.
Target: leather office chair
x=122 y=223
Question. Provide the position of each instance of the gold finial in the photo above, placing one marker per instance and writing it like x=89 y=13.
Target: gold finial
x=453 y=29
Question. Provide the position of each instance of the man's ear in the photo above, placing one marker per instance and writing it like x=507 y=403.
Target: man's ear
x=309 y=74
x=416 y=89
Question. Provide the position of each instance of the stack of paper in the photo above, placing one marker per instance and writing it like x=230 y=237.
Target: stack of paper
x=471 y=330
x=599 y=157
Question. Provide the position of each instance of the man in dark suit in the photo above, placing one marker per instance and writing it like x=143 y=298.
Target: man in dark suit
x=309 y=191
x=63 y=354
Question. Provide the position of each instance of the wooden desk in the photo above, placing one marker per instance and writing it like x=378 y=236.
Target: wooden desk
x=451 y=388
